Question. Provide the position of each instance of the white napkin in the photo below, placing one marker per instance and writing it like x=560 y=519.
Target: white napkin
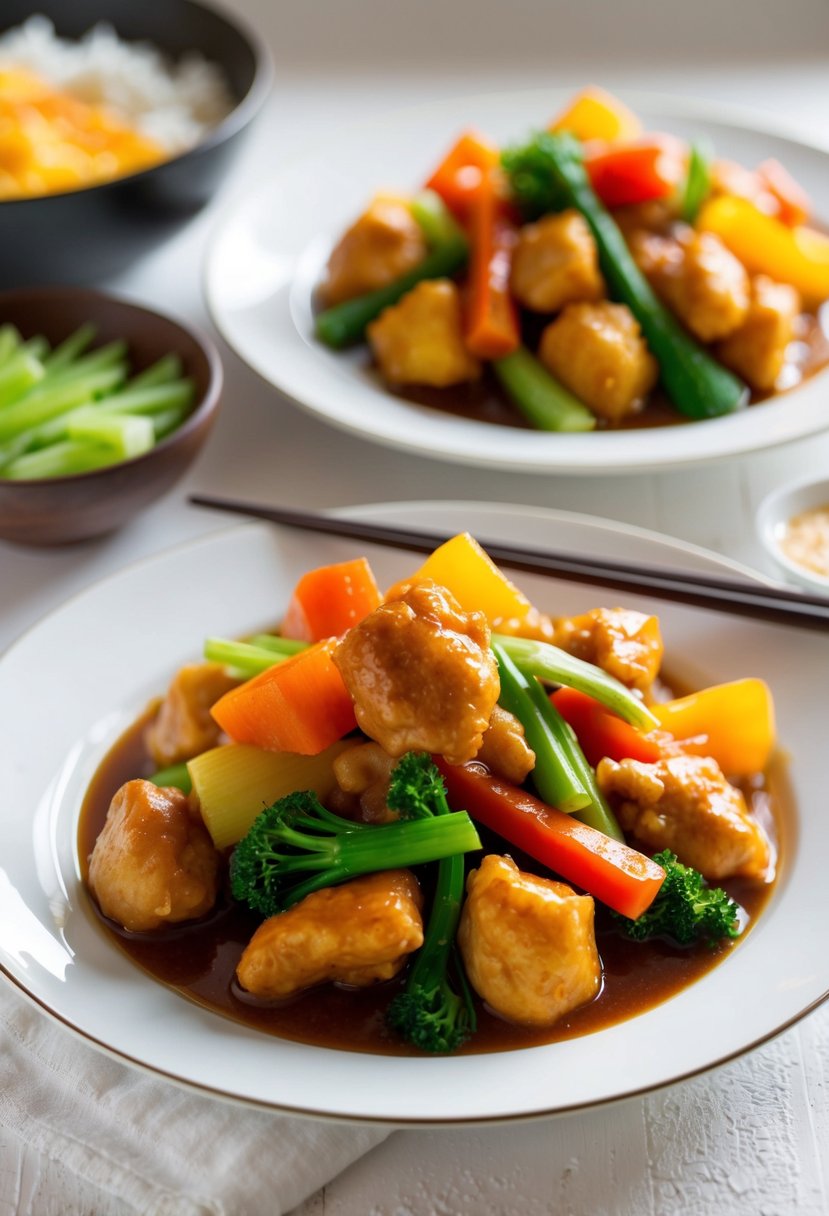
x=157 y=1147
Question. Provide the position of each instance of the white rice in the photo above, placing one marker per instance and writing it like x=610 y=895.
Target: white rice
x=175 y=104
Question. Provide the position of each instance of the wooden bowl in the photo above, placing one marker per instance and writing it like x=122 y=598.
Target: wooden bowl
x=60 y=510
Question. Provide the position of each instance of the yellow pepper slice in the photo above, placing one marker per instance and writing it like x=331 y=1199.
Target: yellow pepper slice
x=764 y=245
x=733 y=723
x=596 y=114
x=465 y=569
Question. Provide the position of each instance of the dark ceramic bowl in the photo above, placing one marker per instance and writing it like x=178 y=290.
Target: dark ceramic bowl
x=58 y=510
x=89 y=234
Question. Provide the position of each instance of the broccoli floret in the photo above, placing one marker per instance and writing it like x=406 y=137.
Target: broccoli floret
x=532 y=173
x=416 y=789
x=430 y=1012
x=686 y=909
x=297 y=846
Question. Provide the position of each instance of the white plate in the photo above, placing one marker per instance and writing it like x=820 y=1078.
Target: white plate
x=70 y=685
x=270 y=250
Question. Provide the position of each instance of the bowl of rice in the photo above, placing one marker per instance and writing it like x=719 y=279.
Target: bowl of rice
x=118 y=122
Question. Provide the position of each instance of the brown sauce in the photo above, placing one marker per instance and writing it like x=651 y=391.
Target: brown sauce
x=199 y=959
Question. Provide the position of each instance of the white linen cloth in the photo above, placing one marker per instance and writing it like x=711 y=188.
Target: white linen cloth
x=159 y=1148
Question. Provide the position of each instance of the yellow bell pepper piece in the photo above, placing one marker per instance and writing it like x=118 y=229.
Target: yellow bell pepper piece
x=596 y=114
x=799 y=256
x=465 y=569
x=733 y=723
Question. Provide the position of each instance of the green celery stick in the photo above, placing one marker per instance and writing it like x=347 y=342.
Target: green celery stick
x=127 y=434
x=163 y=372
x=60 y=460
x=47 y=403
x=151 y=400
x=167 y=421
x=67 y=351
x=37 y=347
x=435 y=220
x=542 y=400
x=10 y=341
x=105 y=356
x=17 y=376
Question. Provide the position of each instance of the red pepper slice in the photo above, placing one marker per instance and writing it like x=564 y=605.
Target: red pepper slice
x=637 y=172
x=599 y=732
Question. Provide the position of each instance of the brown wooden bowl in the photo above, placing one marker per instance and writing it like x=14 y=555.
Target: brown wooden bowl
x=60 y=510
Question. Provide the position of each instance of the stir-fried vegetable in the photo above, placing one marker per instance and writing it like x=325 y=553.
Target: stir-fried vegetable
x=732 y=722
x=548 y=174
x=697 y=181
x=297 y=846
x=329 y=600
x=464 y=568
x=537 y=395
x=611 y=871
x=601 y=733
x=629 y=174
x=247 y=659
x=595 y=114
x=491 y=320
x=686 y=909
x=430 y=1012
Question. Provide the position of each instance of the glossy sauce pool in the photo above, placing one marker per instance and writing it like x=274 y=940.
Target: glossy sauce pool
x=199 y=959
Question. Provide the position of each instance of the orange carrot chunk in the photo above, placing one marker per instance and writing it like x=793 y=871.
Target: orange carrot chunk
x=491 y=330
x=300 y=705
x=459 y=174
x=619 y=876
x=330 y=600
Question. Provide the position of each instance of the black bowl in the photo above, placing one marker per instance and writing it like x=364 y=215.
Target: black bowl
x=89 y=234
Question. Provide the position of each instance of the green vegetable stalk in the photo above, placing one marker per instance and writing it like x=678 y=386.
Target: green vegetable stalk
x=548 y=405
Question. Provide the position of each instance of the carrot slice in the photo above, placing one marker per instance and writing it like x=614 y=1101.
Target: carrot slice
x=300 y=705
x=492 y=320
x=619 y=876
x=459 y=174
x=600 y=733
x=331 y=599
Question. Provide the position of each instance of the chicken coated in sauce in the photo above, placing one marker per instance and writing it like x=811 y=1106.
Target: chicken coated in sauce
x=421 y=674
x=685 y=804
x=505 y=751
x=183 y=727
x=626 y=644
x=357 y=934
x=757 y=350
x=598 y=352
x=697 y=277
x=384 y=243
x=419 y=340
x=528 y=943
x=154 y=863
x=363 y=773
x=555 y=262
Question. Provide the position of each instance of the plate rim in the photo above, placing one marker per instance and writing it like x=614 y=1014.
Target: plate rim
x=684 y=107
x=365 y=511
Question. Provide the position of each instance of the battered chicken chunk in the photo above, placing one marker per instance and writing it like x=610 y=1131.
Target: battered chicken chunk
x=528 y=943
x=504 y=750
x=378 y=248
x=685 y=804
x=419 y=340
x=757 y=350
x=625 y=644
x=363 y=772
x=698 y=278
x=598 y=352
x=183 y=727
x=421 y=674
x=153 y=863
x=555 y=263
x=357 y=934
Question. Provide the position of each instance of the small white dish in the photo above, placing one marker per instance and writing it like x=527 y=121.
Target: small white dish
x=270 y=249
x=72 y=684
x=773 y=516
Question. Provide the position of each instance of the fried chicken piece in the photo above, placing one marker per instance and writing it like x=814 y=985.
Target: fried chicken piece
x=357 y=934
x=757 y=350
x=183 y=727
x=504 y=750
x=598 y=352
x=363 y=772
x=528 y=943
x=555 y=262
x=421 y=674
x=419 y=340
x=685 y=804
x=698 y=278
x=153 y=863
x=626 y=644
x=384 y=243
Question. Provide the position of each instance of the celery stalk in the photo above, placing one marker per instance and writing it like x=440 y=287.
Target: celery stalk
x=60 y=460
x=10 y=341
x=163 y=372
x=17 y=376
x=48 y=401
x=246 y=660
x=131 y=400
x=127 y=434
x=67 y=351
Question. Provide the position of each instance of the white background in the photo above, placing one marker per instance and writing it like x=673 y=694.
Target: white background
x=752 y=1139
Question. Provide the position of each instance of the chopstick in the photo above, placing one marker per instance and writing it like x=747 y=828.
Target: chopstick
x=771 y=604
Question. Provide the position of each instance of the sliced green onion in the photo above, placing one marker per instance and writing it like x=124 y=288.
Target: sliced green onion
x=698 y=181
x=537 y=395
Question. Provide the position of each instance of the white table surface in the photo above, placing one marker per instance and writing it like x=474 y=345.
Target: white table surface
x=753 y=1138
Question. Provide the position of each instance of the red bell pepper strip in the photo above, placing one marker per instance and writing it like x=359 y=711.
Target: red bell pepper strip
x=794 y=204
x=459 y=174
x=600 y=733
x=637 y=172
x=615 y=874
x=491 y=330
